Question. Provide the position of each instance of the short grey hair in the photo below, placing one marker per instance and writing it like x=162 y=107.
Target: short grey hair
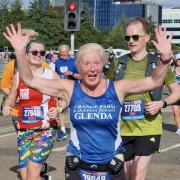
x=88 y=48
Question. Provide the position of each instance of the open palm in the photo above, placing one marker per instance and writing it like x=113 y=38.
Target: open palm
x=15 y=37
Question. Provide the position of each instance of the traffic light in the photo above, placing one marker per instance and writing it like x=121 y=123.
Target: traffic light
x=72 y=16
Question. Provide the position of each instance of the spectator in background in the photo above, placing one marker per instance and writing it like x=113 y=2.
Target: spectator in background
x=5 y=58
x=176 y=107
x=54 y=57
x=66 y=68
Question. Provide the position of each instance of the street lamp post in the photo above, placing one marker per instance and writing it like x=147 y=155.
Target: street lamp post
x=94 y=22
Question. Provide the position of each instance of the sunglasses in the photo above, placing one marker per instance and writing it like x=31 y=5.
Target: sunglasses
x=134 y=37
x=35 y=53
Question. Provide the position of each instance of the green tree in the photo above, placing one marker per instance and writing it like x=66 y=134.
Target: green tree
x=115 y=36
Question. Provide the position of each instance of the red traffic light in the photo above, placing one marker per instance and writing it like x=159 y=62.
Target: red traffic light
x=72 y=6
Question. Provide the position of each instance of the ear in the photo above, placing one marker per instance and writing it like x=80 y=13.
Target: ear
x=147 y=37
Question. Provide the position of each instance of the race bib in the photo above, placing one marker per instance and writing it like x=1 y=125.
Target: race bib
x=133 y=110
x=32 y=114
x=94 y=175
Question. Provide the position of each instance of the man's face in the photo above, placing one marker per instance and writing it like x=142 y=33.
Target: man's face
x=136 y=38
x=64 y=53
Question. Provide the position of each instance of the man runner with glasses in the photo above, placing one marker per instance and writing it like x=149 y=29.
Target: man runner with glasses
x=141 y=131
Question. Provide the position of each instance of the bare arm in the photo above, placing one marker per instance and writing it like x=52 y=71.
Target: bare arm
x=19 y=43
x=11 y=99
x=173 y=98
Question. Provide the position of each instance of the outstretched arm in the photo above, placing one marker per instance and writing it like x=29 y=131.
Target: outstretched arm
x=19 y=43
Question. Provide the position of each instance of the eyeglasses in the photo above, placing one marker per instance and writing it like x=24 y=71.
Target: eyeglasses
x=88 y=64
x=35 y=53
x=134 y=37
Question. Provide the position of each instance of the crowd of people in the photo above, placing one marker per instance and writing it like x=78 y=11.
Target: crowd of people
x=108 y=140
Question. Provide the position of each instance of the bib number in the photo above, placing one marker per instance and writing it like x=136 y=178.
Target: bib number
x=32 y=114
x=93 y=175
x=133 y=110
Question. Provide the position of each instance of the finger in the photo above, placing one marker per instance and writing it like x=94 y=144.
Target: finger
x=6 y=36
x=19 y=29
x=13 y=30
x=8 y=31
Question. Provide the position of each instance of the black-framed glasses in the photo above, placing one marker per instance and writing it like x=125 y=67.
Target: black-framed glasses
x=134 y=37
x=35 y=52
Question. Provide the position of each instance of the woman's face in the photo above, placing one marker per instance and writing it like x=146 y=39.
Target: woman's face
x=36 y=54
x=91 y=67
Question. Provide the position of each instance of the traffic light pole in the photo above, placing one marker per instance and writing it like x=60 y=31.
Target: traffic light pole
x=72 y=44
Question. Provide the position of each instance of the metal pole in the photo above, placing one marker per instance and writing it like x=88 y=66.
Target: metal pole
x=72 y=44
x=94 y=23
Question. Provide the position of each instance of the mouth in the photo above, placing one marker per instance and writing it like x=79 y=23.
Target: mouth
x=92 y=76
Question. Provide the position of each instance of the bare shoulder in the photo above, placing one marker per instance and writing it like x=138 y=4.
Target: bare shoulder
x=120 y=89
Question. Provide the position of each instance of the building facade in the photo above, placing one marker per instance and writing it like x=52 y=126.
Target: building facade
x=171 y=20
x=106 y=13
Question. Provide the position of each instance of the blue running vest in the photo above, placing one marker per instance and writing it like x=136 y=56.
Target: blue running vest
x=95 y=136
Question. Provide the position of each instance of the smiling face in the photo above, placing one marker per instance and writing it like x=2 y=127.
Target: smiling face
x=64 y=51
x=90 y=61
x=137 y=45
x=36 y=54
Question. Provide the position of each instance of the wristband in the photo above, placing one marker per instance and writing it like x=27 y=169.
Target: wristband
x=164 y=103
x=167 y=61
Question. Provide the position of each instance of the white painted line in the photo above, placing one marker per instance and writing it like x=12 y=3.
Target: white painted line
x=5 y=135
x=7 y=129
x=169 y=148
x=59 y=149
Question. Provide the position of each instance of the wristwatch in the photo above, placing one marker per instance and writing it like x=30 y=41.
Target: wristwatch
x=167 y=61
x=164 y=103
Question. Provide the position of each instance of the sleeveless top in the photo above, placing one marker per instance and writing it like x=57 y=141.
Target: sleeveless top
x=95 y=136
x=33 y=105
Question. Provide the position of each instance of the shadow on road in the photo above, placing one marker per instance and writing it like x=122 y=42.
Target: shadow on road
x=15 y=170
x=169 y=127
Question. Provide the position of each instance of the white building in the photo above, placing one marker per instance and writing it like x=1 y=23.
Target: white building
x=171 y=20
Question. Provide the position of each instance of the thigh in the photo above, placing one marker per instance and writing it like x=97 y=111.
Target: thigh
x=128 y=143
x=176 y=109
x=147 y=145
x=42 y=144
x=24 y=141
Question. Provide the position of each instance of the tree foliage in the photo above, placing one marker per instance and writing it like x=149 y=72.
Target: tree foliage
x=49 y=23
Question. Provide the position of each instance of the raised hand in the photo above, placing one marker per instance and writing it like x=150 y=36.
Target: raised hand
x=163 y=44
x=15 y=37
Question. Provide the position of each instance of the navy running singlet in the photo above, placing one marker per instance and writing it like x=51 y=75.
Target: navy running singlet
x=95 y=136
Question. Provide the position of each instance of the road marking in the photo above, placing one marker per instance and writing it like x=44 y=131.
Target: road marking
x=59 y=149
x=169 y=148
x=5 y=135
x=6 y=129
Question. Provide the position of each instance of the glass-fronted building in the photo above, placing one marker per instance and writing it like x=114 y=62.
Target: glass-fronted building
x=106 y=14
